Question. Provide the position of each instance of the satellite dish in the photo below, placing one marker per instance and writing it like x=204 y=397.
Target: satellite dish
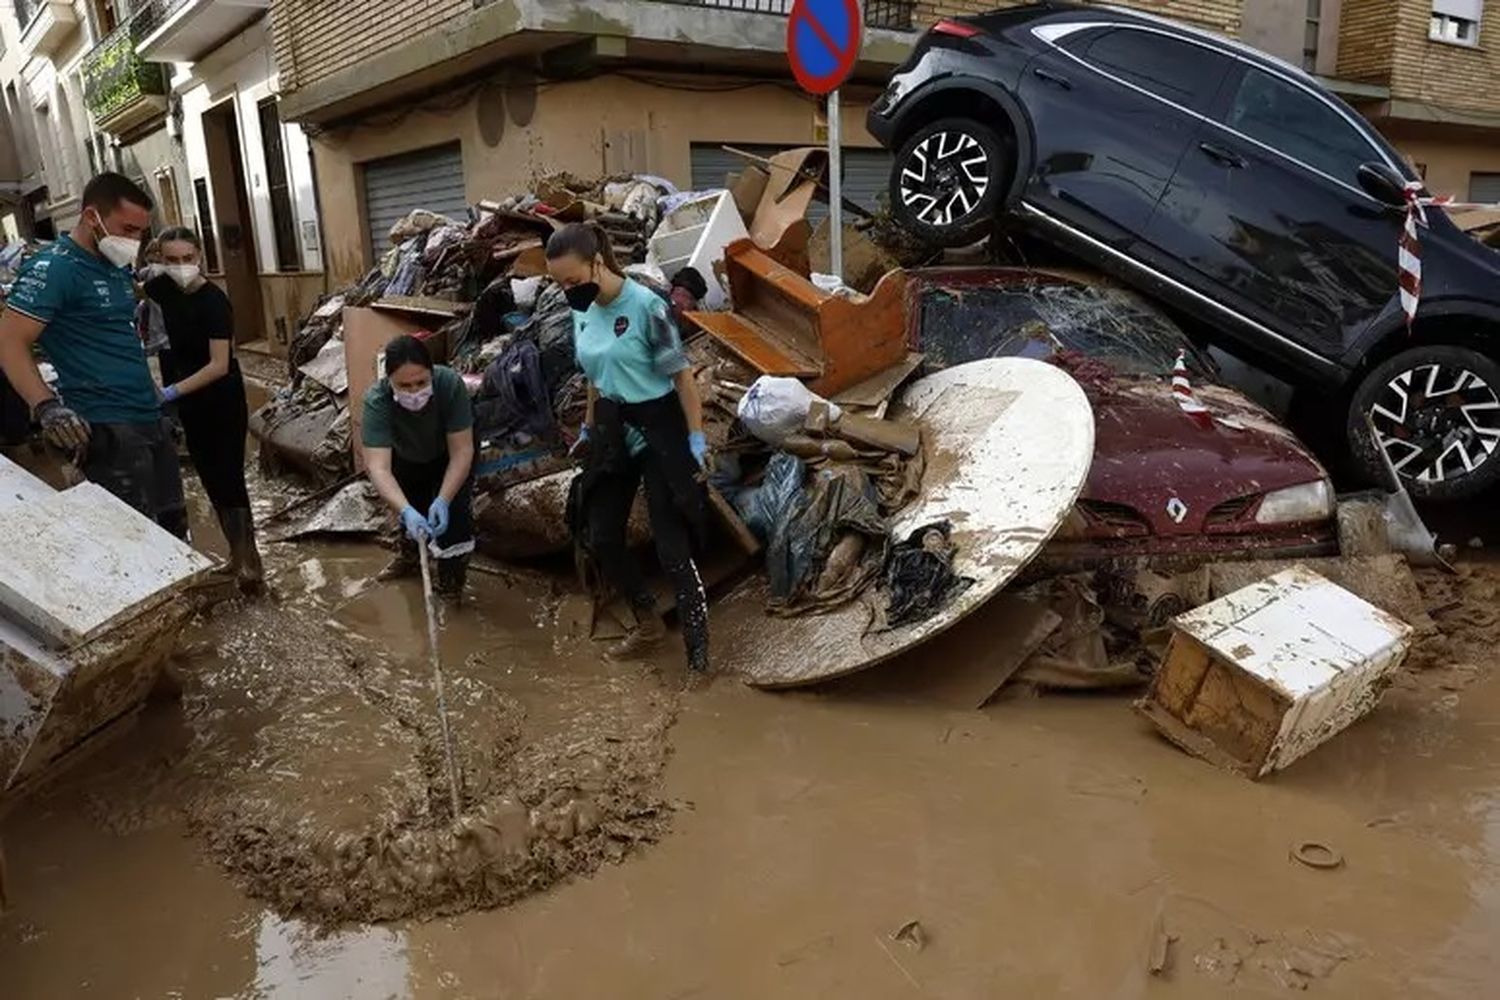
x=490 y=111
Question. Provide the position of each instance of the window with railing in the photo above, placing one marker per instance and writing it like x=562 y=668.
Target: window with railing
x=25 y=11
x=893 y=15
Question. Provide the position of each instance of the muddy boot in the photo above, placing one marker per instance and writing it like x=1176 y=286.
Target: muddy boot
x=451 y=574
x=406 y=564
x=244 y=557
x=648 y=633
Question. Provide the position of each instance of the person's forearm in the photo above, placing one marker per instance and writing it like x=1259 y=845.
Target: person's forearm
x=390 y=491
x=202 y=378
x=692 y=403
x=21 y=371
x=460 y=461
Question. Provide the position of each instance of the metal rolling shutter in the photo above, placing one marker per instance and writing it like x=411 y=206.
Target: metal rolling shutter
x=866 y=173
x=1484 y=187
x=396 y=186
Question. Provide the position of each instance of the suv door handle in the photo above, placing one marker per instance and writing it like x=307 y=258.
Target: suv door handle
x=1056 y=79
x=1221 y=155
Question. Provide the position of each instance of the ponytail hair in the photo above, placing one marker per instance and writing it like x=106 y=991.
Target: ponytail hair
x=584 y=240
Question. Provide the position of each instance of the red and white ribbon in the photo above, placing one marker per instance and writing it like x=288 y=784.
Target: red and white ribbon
x=1182 y=391
x=1409 y=243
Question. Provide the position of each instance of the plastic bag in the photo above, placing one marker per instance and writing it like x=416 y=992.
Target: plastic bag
x=775 y=407
x=525 y=290
x=775 y=499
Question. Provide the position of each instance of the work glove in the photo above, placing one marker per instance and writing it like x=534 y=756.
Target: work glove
x=583 y=441
x=698 y=445
x=415 y=524
x=171 y=394
x=437 y=518
x=61 y=426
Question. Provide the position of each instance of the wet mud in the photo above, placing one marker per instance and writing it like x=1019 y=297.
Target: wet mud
x=314 y=774
x=280 y=829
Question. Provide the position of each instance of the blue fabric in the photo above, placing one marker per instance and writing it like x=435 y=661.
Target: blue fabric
x=88 y=306
x=630 y=349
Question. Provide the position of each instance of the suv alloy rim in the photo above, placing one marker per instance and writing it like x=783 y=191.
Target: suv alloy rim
x=945 y=178
x=1437 y=422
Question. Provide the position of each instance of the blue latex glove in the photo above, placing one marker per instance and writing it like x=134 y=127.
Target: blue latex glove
x=415 y=524
x=583 y=439
x=437 y=517
x=170 y=394
x=698 y=445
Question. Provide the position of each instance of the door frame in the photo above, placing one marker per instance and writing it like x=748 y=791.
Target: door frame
x=234 y=217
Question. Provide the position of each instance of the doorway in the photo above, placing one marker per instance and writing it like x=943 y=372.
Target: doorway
x=237 y=258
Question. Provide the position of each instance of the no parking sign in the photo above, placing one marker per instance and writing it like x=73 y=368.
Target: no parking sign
x=823 y=39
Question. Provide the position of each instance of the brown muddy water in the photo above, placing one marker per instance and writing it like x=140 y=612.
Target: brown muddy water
x=625 y=839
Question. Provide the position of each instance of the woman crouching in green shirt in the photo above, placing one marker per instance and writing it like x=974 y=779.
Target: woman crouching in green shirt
x=418 y=437
x=644 y=424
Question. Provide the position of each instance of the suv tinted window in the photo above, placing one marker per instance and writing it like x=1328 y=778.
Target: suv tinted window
x=1294 y=122
x=1174 y=70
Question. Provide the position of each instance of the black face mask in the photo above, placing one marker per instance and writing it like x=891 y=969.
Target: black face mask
x=580 y=297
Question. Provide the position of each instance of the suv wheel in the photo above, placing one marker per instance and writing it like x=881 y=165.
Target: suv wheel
x=949 y=180
x=1437 y=416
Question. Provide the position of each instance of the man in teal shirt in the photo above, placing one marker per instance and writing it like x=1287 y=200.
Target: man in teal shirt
x=77 y=301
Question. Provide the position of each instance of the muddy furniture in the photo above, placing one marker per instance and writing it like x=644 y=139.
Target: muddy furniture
x=1257 y=679
x=783 y=324
x=90 y=606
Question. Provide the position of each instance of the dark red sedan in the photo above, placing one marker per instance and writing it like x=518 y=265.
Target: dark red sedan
x=1165 y=483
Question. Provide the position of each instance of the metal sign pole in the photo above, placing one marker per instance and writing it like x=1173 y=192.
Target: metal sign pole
x=835 y=187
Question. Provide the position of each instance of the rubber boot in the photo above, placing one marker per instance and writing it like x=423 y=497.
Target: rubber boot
x=407 y=563
x=648 y=633
x=238 y=524
x=451 y=574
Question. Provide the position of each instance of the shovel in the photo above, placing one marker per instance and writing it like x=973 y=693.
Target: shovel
x=429 y=602
x=1405 y=529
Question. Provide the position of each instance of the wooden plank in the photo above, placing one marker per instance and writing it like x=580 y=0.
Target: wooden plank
x=754 y=345
x=1019 y=628
x=425 y=304
x=730 y=519
x=879 y=388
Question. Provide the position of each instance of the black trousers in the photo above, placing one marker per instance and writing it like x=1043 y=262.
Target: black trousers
x=138 y=463
x=215 y=422
x=613 y=478
x=421 y=482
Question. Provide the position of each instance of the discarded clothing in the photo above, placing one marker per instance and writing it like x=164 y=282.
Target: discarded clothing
x=836 y=516
x=515 y=395
x=1075 y=657
x=918 y=580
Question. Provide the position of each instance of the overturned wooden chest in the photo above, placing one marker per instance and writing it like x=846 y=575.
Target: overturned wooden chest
x=1259 y=678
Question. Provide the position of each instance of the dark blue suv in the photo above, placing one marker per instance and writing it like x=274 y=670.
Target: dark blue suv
x=1230 y=186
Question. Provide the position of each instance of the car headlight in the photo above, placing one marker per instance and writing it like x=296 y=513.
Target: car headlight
x=1308 y=502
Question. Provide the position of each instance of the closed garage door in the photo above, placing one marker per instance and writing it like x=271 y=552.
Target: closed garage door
x=399 y=185
x=867 y=173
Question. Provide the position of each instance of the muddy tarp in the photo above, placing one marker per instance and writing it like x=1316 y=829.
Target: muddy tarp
x=1076 y=657
x=515 y=396
x=831 y=549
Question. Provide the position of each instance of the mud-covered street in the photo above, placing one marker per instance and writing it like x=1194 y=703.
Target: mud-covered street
x=1047 y=845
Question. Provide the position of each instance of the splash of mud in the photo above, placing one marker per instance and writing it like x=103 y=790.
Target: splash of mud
x=314 y=775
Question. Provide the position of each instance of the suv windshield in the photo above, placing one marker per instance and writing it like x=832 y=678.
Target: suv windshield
x=968 y=321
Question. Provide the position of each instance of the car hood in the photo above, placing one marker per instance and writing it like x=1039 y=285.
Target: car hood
x=1155 y=459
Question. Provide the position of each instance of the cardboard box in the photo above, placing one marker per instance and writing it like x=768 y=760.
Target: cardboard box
x=1261 y=677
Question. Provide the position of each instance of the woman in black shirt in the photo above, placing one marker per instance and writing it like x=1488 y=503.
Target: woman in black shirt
x=202 y=377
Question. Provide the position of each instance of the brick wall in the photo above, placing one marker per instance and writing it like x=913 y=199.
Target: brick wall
x=1389 y=46
x=1219 y=15
x=315 y=39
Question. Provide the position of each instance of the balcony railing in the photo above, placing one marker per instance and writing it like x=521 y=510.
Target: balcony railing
x=892 y=15
x=153 y=14
x=115 y=79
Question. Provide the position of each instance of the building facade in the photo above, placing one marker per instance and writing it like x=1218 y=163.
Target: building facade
x=1438 y=64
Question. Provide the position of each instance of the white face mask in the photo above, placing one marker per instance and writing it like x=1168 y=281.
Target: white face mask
x=118 y=250
x=183 y=274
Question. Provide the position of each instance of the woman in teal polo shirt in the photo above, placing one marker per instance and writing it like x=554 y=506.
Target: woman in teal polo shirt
x=644 y=425
x=418 y=437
